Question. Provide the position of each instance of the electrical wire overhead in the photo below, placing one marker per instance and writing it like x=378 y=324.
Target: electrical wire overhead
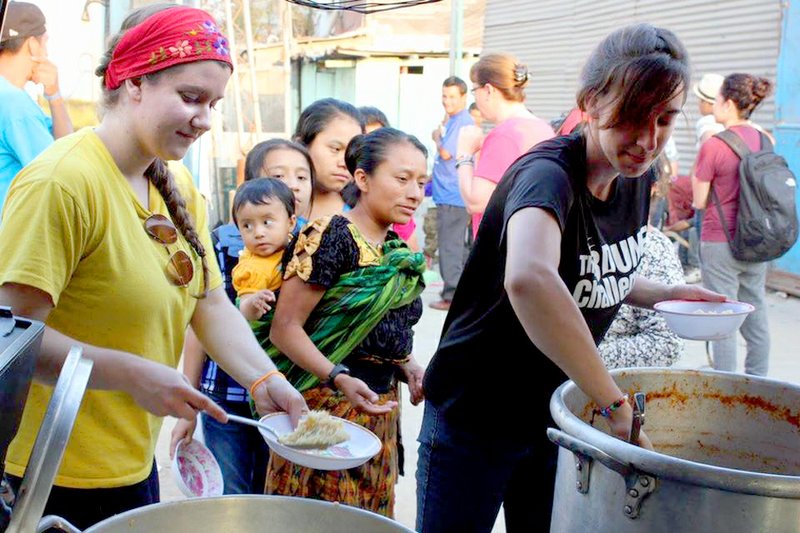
x=361 y=6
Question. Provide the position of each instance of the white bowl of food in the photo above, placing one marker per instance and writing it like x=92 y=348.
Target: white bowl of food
x=361 y=445
x=704 y=321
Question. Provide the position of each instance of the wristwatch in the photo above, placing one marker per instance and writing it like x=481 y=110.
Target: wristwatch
x=465 y=160
x=338 y=369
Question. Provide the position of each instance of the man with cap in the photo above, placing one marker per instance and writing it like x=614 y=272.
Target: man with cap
x=25 y=130
x=707 y=90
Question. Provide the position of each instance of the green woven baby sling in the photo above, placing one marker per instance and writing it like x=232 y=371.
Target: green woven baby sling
x=351 y=308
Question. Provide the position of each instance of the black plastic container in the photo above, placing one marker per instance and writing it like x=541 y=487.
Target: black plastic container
x=20 y=340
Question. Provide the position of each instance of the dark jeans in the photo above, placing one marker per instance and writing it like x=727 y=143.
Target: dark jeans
x=86 y=507
x=240 y=450
x=690 y=257
x=463 y=478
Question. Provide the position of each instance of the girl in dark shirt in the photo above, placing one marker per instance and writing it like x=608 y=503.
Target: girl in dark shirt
x=352 y=288
x=555 y=256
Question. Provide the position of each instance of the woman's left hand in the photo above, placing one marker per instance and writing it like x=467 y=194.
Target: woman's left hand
x=693 y=292
x=414 y=373
x=469 y=140
x=276 y=395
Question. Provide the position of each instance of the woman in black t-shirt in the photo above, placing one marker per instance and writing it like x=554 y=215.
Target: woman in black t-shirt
x=555 y=257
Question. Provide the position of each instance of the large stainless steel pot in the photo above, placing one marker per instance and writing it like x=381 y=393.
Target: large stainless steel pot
x=242 y=514
x=727 y=457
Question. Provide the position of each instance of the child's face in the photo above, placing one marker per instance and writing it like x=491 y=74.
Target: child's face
x=291 y=167
x=265 y=228
x=477 y=118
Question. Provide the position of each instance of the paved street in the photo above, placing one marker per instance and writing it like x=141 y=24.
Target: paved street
x=784 y=365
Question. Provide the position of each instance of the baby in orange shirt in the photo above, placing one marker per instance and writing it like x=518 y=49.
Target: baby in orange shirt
x=263 y=210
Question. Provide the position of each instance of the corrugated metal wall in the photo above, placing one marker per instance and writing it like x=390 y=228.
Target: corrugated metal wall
x=554 y=37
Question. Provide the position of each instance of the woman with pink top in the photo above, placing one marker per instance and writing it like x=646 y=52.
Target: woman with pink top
x=499 y=89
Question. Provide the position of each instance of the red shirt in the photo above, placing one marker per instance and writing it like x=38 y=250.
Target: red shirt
x=680 y=199
x=719 y=165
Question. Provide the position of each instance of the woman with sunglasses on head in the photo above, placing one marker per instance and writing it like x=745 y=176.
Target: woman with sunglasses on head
x=103 y=242
x=556 y=255
x=498 y=86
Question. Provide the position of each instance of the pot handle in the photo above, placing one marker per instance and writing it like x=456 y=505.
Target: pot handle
x=55 y=522
x=637 y=484
x=587 y=450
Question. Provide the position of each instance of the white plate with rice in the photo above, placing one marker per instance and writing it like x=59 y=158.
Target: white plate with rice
x=361 y=446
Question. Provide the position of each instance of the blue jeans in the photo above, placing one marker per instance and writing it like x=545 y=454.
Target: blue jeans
x=464 y=477
x=240 y=450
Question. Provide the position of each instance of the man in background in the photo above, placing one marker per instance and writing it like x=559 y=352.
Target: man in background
x=706 y=91
x=25 y=131
x=452 y=219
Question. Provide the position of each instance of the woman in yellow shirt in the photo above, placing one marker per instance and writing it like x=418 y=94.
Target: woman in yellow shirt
x=104 y=243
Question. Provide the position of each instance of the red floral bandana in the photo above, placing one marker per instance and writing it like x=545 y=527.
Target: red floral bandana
x=170 y=37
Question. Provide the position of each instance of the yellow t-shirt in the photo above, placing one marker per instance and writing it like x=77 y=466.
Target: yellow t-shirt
x=254 y=273
x=73 y=227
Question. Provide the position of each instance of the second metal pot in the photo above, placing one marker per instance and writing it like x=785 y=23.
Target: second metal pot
x=727 y=457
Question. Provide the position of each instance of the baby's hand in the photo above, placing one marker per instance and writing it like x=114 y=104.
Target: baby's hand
x=254 y=306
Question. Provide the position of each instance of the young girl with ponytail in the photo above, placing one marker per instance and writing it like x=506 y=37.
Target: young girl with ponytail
x=107 y=244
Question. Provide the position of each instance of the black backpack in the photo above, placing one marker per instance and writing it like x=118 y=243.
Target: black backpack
x=766 y=226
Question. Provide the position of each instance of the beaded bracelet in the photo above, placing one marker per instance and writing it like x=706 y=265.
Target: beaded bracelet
x=264 y=378
x=605 y=412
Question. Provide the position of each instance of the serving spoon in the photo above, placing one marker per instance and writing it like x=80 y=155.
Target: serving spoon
x=261 y=425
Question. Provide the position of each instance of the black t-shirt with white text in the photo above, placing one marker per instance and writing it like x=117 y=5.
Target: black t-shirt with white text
x=486 y=367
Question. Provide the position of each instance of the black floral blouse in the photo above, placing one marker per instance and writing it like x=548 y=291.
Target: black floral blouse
x=336 y=248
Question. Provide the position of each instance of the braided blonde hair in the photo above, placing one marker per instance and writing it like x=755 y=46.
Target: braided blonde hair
x=157 y=173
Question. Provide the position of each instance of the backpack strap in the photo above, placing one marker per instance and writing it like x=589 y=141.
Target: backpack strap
x=740 y=148
x=766 y=143
x=735 y=143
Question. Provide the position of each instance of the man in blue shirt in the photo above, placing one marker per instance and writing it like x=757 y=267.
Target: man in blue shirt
x=25 y=131
x=452 y=219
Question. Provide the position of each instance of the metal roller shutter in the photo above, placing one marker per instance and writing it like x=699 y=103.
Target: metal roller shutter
x=554 y=38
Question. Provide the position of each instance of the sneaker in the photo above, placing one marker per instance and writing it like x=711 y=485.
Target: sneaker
x=692 y=275
x=441 y=305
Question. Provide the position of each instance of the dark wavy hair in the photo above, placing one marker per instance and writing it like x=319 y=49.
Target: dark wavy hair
x=745 y=91
x=641 y=66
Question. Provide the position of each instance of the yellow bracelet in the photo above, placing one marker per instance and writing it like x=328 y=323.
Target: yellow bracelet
x=264 y=378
